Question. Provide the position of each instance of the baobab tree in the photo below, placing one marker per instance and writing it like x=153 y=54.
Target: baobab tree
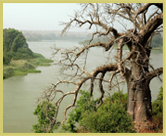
x=135 y=68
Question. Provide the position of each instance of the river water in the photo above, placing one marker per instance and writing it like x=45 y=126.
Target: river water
x=21 y=92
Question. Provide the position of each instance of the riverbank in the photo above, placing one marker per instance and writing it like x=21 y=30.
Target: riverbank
x=25 y=66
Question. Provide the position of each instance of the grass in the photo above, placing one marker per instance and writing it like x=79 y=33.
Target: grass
x=24 y=72
x=40 y=61
x=23 y=67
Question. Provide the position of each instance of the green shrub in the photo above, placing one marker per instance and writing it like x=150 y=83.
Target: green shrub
x=9 y=54
x=83 y=104
x=110 y=117
x=18 y=56
x=157 y=105
x=157 y=110
x=12 y=40
x=37 y=55
x=6 y=60
x=118 y=98
x=8 y=72
x=43 y=125
x=25 y=51
x=39 y=60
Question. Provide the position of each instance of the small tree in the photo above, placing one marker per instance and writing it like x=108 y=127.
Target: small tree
x=18 y=42
x=8 y=38
x=45 y=114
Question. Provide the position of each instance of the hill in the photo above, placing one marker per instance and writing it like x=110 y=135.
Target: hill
x=18 y=59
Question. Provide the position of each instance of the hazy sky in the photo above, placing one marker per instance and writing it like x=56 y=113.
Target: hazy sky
x=37 y=16
x=41 y=16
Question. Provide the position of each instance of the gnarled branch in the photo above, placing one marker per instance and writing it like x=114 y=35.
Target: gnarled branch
x=156 y=72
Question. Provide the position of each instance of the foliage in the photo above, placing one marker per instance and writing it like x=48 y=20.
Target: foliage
x=15 y=46
x=18 y=42
x=8 y=38
x=157 y=105
x=8 y=72
x=157 y=110
x=44 y=117
x=13 y=39
x=83 y=104
x=110 y=117
x=25 y=51
x=6 y=59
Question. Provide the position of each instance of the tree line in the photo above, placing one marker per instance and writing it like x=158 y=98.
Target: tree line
x=52 y=35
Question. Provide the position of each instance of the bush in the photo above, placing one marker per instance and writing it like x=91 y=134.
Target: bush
x=6 y=60
x=43 y=125
x=12 y=40
x=110 y=117
x=157 y=111
x=25 y=51
x=18 y=56
x=8 y=72
x=83 y=104
x=9 y=54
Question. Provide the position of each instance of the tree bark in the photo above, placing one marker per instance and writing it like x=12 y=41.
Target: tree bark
x=139 y=101
x=139 y=94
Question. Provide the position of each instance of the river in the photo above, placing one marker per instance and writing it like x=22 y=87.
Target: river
x=21 y=92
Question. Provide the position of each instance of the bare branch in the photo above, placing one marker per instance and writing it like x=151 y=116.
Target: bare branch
x=120 y=67
x=144 y=8
x=111 y=78
x=149 y=76
x=101 y=89
x=152 y=15
x=150 y=27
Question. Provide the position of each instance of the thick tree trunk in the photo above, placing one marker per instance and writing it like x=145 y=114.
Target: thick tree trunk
x=139 y=101
x=139 y=94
